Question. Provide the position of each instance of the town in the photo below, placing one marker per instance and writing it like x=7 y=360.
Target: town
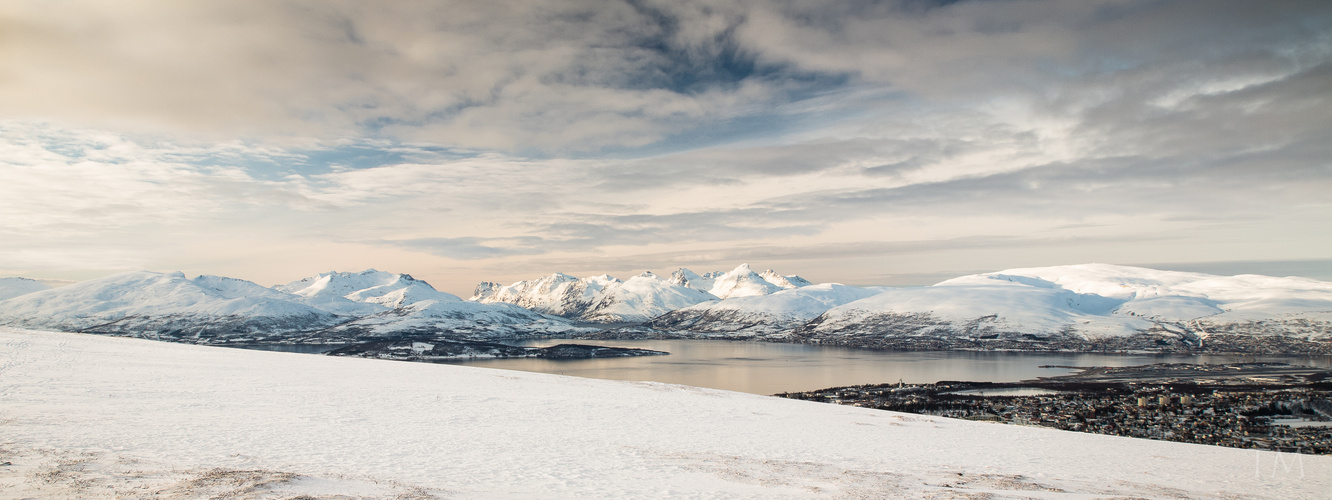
x=1162 y=342
x=1228 y=408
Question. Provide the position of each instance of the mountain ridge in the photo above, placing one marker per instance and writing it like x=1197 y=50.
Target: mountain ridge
x=1088 y=307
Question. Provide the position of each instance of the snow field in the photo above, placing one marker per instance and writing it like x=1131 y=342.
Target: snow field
x=320 y=425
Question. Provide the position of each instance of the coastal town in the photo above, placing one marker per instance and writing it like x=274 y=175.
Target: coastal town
x=1257 y=406
x=1159 y=341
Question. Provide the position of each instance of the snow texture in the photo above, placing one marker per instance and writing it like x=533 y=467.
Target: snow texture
x=366 y=292
x=144 y=302
x=209 y=308
x=102 y=417
x=1089 y=301
x=604 y=299
x=742 y=282
x=601 y=299
x=775 y=313
x=455 y=318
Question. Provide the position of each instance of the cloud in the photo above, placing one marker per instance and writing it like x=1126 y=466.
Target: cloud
x=603 y=131
x=468 y=248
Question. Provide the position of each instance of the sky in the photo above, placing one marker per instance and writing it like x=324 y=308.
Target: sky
x=862 y=142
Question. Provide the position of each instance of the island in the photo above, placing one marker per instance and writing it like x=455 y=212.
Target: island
x=436 y=349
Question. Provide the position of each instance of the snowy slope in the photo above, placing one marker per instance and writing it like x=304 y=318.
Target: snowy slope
x=327 y=307
x=456 y=319
x=601 y=299
x=979 y=311
x=366 y=292
x=557 y=294
x=772 y=314
x=687 y=278
x=13 y=287
x=1089 y=302
x=604 y=299
x=143 y=419
x=788 y=281
x=742 y=282
x=642 y=298
x=1183 y=296
x=165 y=304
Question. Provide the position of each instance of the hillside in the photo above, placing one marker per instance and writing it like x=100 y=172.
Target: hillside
x=139 y=418
x=1090 y=307
x=214 y=309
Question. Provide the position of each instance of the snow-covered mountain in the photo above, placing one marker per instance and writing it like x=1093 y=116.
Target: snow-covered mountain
x=13 y=287
x=687 y=278
x=1092 y=302
x=1086 y=307
x=605 y=299
x=144 y=303
x=788 y=281
x=602 y=299
x=641 y=298
x=456 y=318
x=775 y=313
x=366 y=292
x=743 y=282
x=328 y=306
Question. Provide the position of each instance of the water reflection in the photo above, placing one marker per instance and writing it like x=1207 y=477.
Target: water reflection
x=769 y=368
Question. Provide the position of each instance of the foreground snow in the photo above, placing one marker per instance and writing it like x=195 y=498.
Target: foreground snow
x=88 y=416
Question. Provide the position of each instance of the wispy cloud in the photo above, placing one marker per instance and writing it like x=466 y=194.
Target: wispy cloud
x=519 y=133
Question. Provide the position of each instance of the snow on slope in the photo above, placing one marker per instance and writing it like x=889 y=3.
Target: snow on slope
x=13 y=287
x=558 y=294
x=772 y=314
x=144 y=302
x=360 y=293
x=457 y=319
x=140 y=419
x=1089 y=302
x=642 y=298
x=215 y=308
x=788 y=281
x=1188 y=295
x=990 y=310
x=598 y=298
x=604 y=299
x=742 y=282
x=687 y=278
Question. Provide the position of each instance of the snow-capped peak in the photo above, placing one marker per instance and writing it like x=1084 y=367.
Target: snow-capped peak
x=687 y=278
x=601 y=298
x=790 y=281
x=742 y=282
x=142 y=301
x=390 y=290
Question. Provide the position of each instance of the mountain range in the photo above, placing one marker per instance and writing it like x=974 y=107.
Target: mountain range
x=211 y=309
x=605 y=299
x=1081 y=307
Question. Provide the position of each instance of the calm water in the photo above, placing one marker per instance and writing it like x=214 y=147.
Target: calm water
x=769 y=368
